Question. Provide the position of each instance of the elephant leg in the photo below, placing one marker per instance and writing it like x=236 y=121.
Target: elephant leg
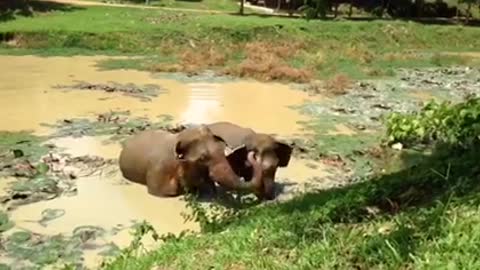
x=162 y=187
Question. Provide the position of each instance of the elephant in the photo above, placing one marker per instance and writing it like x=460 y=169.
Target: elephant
x=171 y=164
x=271 y=153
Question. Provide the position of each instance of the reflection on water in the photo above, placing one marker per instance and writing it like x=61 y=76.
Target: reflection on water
x=27 y=100
x=203 y=101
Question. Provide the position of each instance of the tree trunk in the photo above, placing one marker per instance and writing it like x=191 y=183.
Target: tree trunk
x=469 y=8
x=242 y=5
x=290 y=10
x=335 y=9
x=279 y=5
x=419 y=4
x=147 y=2
x=350 y=9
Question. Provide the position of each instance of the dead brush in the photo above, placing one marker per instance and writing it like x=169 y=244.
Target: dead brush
x=266 y=62
x=194 y=60
x=200 y=58
x=282 y=50
x=338 y=85
x=268 y=68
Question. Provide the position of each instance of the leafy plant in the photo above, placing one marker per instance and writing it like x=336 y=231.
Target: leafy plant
x=456 y=124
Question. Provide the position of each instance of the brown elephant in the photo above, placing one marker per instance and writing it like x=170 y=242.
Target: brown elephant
x=170 y=164
x=270 y=152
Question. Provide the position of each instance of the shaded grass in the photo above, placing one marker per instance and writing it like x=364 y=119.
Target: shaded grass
x=255 y=47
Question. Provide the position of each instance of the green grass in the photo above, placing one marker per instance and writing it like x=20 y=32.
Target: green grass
x=358 y=49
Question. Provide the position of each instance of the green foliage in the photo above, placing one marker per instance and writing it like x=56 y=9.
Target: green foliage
x=457 y=124
x=315 y=9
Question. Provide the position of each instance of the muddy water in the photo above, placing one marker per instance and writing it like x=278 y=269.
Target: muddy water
x=28 y=99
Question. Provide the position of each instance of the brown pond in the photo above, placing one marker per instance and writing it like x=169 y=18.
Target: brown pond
x=28 y=98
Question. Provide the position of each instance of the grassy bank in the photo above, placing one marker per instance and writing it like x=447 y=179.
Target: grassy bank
x=264 y=48
x=421 y=216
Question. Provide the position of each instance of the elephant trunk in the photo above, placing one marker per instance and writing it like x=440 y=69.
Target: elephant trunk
x=269 y=168
x=223 y=174
x=269 y=186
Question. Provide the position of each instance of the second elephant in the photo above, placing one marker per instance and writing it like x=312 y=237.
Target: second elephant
x=270 y=153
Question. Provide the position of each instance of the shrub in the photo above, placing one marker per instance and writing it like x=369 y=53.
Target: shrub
x=456 y=124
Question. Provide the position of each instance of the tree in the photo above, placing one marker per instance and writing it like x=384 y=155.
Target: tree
x=242 y=6
x=468 y=12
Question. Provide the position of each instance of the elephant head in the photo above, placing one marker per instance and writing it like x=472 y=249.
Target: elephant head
x=269 y=152
x=202 y=154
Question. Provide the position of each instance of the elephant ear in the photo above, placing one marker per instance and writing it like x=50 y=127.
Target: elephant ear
x=220 y=139
x=180 y=148
x=284 y=152
x=236 y=158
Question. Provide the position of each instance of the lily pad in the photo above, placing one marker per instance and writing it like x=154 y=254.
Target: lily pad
x=20 y=237
x=42 y=168
x=5 y=223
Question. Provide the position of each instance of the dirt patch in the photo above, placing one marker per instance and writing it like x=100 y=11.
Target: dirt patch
x=144 y=93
